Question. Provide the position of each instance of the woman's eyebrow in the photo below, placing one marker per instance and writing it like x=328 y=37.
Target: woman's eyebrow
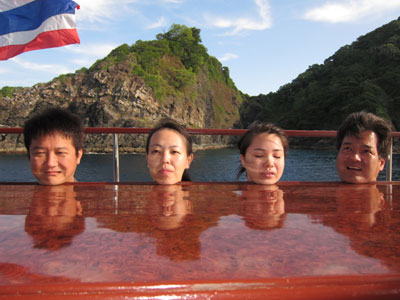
x=159 y=145
x=262 y=149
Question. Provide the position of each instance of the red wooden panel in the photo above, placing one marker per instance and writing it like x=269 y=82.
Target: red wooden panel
x=200 y=240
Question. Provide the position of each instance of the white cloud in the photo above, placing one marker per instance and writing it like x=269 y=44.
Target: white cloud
x=92 y=50
x=174 y=1
x=86 y=55
x=228 y=56
x=349 y=10
x=239 y=24
x=19 y=82
x=160 y=23
x=83 y=62
x=48 y=68
x=101 y=10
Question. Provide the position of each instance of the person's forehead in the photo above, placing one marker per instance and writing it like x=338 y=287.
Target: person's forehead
x=59 y=137
x=365 y=137
x=167 y=135
x=266 y=139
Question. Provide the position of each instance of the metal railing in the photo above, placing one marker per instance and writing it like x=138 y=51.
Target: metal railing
x=115 y=131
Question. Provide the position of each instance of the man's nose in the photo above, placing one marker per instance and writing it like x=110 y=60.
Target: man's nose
x=356 y=156
x=52 y=160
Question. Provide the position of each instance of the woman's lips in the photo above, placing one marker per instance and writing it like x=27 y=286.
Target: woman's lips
x=165 y=171
x=267 y=174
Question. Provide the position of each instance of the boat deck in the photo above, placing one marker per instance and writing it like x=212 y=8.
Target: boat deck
x=295 y=240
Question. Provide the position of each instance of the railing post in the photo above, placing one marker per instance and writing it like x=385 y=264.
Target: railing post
x=116 y=157
x=116 y=187
x=389 y=163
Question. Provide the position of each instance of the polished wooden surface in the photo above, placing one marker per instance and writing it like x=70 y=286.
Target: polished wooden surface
x=200 y=240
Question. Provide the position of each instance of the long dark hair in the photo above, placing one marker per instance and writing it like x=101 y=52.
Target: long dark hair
x=255 y=129
x=167 y=123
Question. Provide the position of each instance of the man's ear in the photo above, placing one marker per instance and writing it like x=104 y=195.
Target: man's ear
x=382 y=163
x=79 y=156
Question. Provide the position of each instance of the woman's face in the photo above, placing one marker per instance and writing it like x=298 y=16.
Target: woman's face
x=263 y=206
x=264 y=159
x=168 y=206
x=167 y=157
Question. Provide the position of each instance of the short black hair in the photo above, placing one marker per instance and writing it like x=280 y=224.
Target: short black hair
x=358 y=122
x=54 y=120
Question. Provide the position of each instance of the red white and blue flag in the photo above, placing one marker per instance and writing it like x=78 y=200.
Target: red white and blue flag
x=27 y=25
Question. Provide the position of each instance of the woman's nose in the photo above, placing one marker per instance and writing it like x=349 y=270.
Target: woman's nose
x=269 y=161
x=165 y=157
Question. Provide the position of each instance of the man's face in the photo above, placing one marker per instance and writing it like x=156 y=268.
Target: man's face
x=358 y=160
x=53 y=159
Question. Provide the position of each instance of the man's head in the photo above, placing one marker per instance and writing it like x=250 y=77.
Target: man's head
x=54 y=141
x=363 y=141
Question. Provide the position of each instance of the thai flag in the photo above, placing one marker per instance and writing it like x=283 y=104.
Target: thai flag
x=27 y=25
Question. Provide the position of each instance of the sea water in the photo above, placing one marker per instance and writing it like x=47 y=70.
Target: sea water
x=208 y=165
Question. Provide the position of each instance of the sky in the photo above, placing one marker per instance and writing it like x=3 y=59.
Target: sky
x=264 y=43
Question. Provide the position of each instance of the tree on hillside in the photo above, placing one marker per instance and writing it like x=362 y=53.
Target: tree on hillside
x=185 y=43
x=362 y=76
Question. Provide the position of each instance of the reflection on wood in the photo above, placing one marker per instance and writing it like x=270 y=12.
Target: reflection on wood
x=293 y=240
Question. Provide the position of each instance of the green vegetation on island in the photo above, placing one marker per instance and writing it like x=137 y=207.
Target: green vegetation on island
x=173 y=64
x=183 y=77
x=362 y=76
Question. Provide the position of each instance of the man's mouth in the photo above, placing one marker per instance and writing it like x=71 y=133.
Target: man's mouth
x=352 y=168
x=52 y=172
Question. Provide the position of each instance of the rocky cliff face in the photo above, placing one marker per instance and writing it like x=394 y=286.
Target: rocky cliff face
x=108 y=95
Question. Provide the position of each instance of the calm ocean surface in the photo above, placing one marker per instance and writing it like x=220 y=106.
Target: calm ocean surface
x=208 y=165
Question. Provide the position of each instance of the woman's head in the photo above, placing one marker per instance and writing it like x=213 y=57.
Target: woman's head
x=169 y=152
x=263 y=207
x=263 y=149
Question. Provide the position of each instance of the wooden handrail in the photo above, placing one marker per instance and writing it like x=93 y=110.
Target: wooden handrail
x=203 y=131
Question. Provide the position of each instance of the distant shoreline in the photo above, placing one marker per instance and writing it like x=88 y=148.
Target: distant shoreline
x=310 y=143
